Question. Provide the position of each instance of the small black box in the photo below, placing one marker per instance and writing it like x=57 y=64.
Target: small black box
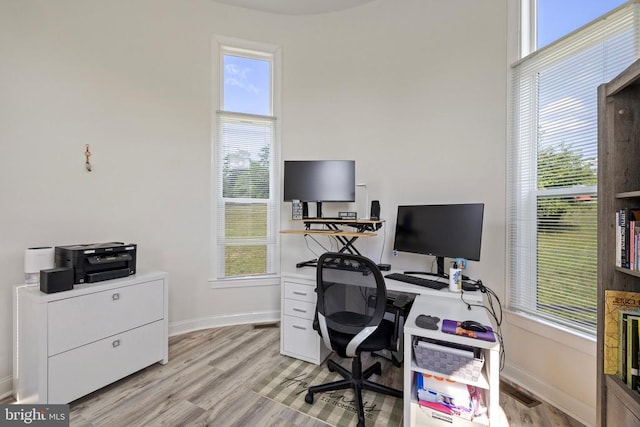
x=384 y=267
x=347 y=215
x=56 y=280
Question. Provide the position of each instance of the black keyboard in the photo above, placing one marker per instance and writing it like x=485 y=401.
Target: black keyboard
x=420 y=281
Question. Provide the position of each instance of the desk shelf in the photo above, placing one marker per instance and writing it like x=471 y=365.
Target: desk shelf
x=489 y=381
x=327 y=232
x=481 y=382
x=362 y=228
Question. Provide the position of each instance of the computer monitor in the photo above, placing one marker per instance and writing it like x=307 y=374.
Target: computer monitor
x=451 y=231
x=320 y=181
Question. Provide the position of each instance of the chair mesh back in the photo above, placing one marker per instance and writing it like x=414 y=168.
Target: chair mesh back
x=351 y=292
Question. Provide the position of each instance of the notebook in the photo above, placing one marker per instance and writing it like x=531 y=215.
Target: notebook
x=453 y=327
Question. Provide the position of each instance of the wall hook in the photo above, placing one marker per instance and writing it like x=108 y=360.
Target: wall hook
x=87 y=154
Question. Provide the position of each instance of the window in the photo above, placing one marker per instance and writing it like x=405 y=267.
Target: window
x=546 y=21
x=245 y=163
x=552 y=243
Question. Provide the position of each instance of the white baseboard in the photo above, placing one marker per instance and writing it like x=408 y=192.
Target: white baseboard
x=6 y=387
x=191 y=325
x=582 y=412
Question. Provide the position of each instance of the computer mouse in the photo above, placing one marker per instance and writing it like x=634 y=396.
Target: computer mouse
x=472 y=325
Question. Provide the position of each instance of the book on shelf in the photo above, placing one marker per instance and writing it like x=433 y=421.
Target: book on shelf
x=616 y=301
x=625 y=249
x=632 y=245
x=635 y=244
x=618 y=251
x=633 y=232
x=623 y=340
x=632 y=352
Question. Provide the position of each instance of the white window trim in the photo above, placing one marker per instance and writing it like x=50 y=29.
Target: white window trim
x=250 y=49
x=528 y=34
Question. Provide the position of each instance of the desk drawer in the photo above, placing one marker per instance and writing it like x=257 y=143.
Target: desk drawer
x=299 y=292
x=299 y=337
x=305 y=310
x=77 y=321
x=80 y=371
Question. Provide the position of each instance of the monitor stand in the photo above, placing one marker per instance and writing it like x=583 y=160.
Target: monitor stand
x=440 y=269
x=440 y=264
x=305 y=210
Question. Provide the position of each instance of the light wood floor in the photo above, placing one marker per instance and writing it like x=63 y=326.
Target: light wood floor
x=208 y=382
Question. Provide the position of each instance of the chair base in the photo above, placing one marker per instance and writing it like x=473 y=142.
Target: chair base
x=356 y=380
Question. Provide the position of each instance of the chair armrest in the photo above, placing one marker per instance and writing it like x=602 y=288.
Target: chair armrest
x=400 y=303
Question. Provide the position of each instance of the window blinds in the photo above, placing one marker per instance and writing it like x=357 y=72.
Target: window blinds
x=245 y=199
x=552 y=246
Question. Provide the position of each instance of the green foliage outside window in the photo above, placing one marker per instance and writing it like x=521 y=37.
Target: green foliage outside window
x=567 y=238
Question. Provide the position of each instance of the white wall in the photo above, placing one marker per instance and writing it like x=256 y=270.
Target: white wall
x=415 y=94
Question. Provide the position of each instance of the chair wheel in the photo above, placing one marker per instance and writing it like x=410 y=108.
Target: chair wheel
x=308 y=398
x=330 y=368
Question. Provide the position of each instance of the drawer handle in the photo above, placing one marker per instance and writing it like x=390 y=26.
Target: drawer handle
x=299 y=310
x=115 y=297
x=300 y=327
x=300 y=293
x=115 y=344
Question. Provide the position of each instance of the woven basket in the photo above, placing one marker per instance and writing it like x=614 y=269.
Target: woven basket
x=447 y=361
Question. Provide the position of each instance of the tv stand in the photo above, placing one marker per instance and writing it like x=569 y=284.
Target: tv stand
x=439 y=272
x=440 y=266
x=305 y=208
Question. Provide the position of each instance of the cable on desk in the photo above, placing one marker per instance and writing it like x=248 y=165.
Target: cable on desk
x=496 y=315
x=333 y=242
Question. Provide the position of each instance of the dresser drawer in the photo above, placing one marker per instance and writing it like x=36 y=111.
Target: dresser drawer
x=80 y=320
x=303 y=309
x=299 y=337
x=299 y=292
x=80 y=371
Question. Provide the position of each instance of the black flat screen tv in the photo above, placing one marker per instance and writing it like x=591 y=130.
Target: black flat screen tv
x=320 y=180
x=451 y=231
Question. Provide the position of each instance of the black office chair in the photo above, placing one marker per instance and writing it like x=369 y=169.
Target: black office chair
x=350 y=319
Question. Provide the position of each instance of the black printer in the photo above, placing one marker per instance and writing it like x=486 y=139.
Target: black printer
x=95 y=262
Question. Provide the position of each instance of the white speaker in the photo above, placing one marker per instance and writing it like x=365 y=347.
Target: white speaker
x=36 y=259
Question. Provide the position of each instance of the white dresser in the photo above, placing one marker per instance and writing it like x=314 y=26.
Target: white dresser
x=71 y=343
x=297 y=337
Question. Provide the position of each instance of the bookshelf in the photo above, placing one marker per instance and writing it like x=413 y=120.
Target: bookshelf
x=618 y=188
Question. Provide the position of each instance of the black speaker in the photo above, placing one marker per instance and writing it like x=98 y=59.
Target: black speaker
x=305 y=210
x=375 y=210
x=56 y=280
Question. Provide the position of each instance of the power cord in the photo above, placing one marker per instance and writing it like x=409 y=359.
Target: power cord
x=491 y=309
x=384 y=239
x=306 y=240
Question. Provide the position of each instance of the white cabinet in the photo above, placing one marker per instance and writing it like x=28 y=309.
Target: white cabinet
x=489 y=381
x=298 y=305
x=71 y=343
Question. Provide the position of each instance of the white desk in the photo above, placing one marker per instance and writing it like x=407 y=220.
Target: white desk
x=297 y=308
x=446 y=308
x=397 y=286
x=298 y=338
